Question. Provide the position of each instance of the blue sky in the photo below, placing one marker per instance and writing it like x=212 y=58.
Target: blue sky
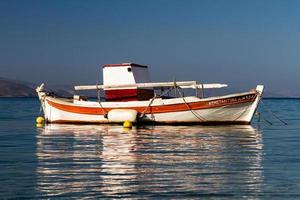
x=238 y=42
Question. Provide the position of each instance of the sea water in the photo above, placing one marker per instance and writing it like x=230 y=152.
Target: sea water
x=260 y=161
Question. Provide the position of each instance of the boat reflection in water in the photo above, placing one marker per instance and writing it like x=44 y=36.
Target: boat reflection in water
x=160 y=161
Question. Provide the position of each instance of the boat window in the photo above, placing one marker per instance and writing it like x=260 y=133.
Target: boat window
x=129 y=69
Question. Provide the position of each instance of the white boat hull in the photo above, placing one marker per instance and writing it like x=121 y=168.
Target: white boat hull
x=231 y=109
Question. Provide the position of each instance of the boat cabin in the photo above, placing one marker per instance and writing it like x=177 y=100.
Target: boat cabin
x=126 y=74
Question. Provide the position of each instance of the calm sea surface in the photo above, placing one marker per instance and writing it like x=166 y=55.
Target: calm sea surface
x=261 y=161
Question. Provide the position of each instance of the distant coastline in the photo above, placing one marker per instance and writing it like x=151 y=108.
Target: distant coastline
x=280 y=98
x=14 y=88
x=20 y=89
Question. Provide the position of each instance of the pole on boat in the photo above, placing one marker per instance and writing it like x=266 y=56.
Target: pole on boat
x=202 y=90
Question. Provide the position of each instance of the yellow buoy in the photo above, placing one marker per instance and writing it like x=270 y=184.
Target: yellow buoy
x=126 y=130
x=39 y=125
x=40 y=120
x=127 y=124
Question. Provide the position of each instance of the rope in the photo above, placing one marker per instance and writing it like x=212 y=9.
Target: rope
x=192 y=111
x=41 y=108
x=151 y=101
x=260 y=116
x=42 y=103
x=272 y=113
x=149 y=105
x=145 y=110
x=99 y=100
x=244 y=111
x=176 y=89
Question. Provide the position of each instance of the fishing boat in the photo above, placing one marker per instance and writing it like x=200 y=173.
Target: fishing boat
x=131 y=96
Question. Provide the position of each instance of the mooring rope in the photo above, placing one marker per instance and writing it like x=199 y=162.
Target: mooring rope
x=99 y=100
x=192 y=111
x=261 y=117
x=41 y=108
x=145 y=110
x=272 y=113
x=42 y=104
x=151 y=101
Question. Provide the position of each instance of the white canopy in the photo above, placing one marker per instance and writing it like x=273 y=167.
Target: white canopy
x=160 y=85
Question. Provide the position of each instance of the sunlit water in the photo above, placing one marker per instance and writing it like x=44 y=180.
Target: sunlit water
x=172 y=162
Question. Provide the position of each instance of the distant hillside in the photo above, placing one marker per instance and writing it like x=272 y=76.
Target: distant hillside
x=15 y=88
x=60 y=90
x=12 y=88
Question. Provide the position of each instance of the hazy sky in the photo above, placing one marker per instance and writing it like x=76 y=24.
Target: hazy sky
x=238 y=42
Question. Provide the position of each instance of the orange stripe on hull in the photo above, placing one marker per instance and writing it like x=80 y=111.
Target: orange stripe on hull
x=159 y=109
